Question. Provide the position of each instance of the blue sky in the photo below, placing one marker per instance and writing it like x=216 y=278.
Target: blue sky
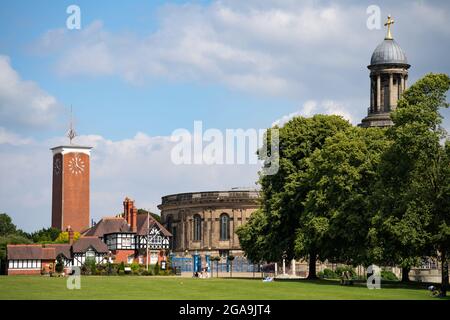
x=138 y=70
x=157 y=107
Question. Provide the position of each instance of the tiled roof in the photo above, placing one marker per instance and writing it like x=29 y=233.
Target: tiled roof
x=108 y=225
x=143 y=225
x=63 y=249
x=84 y=243
x=30 y=251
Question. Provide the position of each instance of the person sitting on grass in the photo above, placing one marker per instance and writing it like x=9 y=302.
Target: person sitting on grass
x=346 y=278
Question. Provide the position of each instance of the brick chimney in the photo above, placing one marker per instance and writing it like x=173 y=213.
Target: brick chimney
x=71 y=235
x=134 y=219
x=130 y=213
x=127 y=206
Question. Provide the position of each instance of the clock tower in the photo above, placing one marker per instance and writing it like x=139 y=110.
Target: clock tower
x=70 y=198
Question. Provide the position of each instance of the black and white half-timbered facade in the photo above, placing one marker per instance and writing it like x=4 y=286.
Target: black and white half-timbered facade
x=38 y=258
x=127 y=236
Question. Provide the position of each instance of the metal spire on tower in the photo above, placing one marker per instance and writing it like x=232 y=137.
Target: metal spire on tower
x=71 y=134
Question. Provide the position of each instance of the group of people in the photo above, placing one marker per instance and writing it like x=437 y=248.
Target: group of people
x=203 y=274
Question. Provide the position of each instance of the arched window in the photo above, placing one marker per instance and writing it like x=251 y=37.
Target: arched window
x=224 y=227
x=197 y=227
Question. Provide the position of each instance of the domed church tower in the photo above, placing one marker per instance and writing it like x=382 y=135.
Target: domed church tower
x=388 y=75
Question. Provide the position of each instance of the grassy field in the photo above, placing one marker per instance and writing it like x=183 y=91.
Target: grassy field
x=173 y=288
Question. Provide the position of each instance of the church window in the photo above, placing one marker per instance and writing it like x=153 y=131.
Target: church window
x=224 y=227
x=197 y=228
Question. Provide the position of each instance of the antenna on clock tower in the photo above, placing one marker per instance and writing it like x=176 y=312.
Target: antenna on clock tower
x=71 y=134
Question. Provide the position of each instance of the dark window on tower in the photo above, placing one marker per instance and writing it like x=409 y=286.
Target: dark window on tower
x=174 y=237
x=224 y=227
x=169 y=223
x=197 y=228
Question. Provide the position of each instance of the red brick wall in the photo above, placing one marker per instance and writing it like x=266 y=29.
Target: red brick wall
x=122 y=255
x=76 y=195
x=12 y=272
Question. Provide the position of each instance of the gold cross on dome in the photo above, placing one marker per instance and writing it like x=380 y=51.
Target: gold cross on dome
x=388 y=24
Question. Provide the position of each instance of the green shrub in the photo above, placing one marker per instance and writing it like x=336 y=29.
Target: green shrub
x=341 y=269
x=328 y=274
x=135 y=272
x=145 y=273
x=90 y=267
x=388 y=275
x=121 y=272
x=156 y=269
x=135 y=266
x=121 y=267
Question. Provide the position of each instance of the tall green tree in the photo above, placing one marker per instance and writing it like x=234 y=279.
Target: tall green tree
x=6 y=225
x=252 y=237
x=4 y=241
x=283 y=194
x=153 y=215
x=45 y=235
x=342 y=177
x=413 y=216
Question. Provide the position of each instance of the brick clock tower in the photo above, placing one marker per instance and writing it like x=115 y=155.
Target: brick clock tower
x=70 y=193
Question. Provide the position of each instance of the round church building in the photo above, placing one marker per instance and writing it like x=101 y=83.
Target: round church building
x=204 y=223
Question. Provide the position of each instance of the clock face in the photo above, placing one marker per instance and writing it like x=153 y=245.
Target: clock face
x=57 y=166
x=76 y=164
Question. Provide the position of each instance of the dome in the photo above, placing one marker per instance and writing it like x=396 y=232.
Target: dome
x=388 y=52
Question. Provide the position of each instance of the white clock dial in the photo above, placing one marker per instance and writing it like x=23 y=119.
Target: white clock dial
x=76 y=164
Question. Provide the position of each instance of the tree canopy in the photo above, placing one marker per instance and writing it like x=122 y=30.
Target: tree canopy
x=358 y=196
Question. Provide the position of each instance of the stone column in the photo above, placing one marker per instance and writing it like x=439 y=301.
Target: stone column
x=293 y=266
x=284 y=266
x=204 y=227
x=233 y=219
x=378 y=108
x=391 y=89
x=372 y=94
x=406 y=84
x=210 y=244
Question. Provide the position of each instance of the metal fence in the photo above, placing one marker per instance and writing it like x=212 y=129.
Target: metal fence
x=186 y=264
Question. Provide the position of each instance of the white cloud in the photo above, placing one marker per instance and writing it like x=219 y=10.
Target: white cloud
x=7 y=137
x=299 y=50
x=139 y=167
x=23 y=103
x=271 y=49
x=312 y=107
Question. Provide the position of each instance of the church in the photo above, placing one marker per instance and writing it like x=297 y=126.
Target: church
x=388 y=80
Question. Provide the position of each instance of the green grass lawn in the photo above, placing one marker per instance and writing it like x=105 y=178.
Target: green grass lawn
x=172 y=288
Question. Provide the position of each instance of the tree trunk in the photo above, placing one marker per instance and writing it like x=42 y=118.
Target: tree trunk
x=312 y=266
x=444 y=272
x=405 y=274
